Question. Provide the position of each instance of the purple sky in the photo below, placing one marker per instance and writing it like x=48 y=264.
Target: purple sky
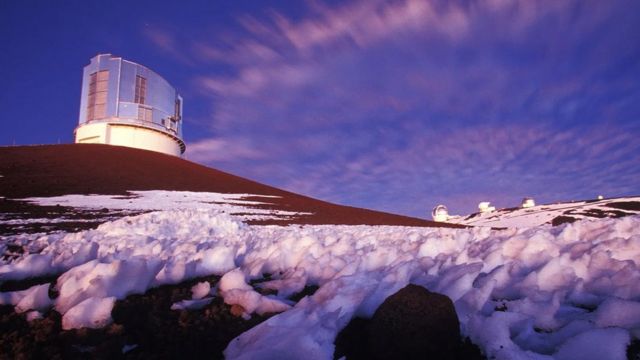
x=396 y=105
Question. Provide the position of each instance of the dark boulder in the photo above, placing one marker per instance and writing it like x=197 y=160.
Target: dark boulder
x=415 y=323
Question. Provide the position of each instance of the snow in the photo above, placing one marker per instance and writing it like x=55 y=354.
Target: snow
x=127 y=348
x=93 y=312
x=44 y=221
x=200 y=290
x=164 y=200
x=235 y=291
x=571 y=291
x=34 y=298
x=33 y=315
x=597 y=344
x=32 y=265
x=619 y=313
x=116 y=279
x=191 y=304
x=537 y=215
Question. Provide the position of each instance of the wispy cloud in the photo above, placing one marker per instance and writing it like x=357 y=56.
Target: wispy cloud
x=167 y=42
x=398 y=105
x=496 y=163
x=221 y=149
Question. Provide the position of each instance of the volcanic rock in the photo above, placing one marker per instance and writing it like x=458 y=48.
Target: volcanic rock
x=414 y=323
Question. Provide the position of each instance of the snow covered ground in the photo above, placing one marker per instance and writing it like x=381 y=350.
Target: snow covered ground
x=234 y=204
x=545 y=214
x=567 y=292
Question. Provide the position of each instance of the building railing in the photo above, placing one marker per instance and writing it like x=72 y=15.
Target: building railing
x=141 y=123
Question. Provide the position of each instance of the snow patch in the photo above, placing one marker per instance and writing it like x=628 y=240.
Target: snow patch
x=115 y=279
x=93 y=312
x=200 y=290
x=597 y=344
x=619 y=313
x=34 y=298
x=537 y=215
x=174 y=200
x=235 y=291
x=191 y=304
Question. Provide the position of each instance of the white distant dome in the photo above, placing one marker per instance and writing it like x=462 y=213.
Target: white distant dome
x=485 y=206
x=600 y=197
x=440 y=213
x=528 y=202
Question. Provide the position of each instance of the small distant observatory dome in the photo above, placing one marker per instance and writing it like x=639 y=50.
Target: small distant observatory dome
x=528 y=202
x=600 y=197
x=440 y=213
x=485 y=206
x=126 y=104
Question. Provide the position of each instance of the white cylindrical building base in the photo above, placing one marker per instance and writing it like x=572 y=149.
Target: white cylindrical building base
x=130 y=135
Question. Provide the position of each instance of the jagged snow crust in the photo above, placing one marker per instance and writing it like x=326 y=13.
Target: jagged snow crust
x=540 y=293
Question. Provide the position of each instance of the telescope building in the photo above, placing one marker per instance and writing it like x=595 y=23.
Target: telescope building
x=126 y=104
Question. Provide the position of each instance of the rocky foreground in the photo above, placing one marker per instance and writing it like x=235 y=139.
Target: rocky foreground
x=412 y=324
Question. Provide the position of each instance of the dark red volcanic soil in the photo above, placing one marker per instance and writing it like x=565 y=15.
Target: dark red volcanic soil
x=52 y=170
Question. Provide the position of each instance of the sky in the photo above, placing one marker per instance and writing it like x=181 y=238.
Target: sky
x=389 y=105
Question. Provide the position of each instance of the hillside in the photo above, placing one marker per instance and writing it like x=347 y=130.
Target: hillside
x=55 y=170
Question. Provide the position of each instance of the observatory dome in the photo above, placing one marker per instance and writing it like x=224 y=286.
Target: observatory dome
x=126 y=104
x=528 y=202
x=440 y=213
x=485 y=206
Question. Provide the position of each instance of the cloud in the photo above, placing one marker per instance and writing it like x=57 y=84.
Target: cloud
x=166 y=40
x=160 y=38
x=501 y=164
x=221 y=150
x=366 y=22
x=400 y=105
